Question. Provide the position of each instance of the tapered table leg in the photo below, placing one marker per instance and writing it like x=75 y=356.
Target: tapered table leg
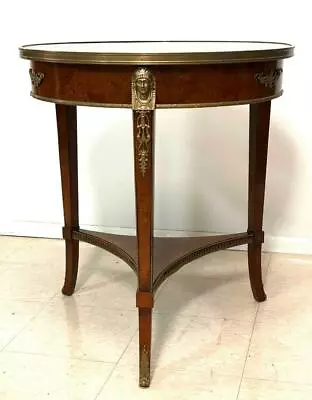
x=67 y=139
x=259 y=123
x=144 y=182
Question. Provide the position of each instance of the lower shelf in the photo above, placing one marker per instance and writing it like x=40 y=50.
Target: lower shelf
x=169 y=253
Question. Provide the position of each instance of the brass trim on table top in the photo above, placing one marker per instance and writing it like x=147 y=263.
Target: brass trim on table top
x=193 y=105
x=221 y=57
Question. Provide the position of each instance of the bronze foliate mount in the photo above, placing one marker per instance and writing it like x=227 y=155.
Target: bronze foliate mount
x=36 y=78
x=269 y=78
x=143 y=87
x=143 y=139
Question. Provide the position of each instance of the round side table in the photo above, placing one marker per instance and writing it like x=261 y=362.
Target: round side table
x=145 y=76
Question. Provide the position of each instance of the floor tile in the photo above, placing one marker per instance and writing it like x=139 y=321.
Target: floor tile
x=280 y=352
x=99 y=285
x=52 y=252
x=92 y=333
x=30 y=377
x=111 y=285
x=288 y=287
x=291 y=259
x=169 y=385
x=202 y=327
x=39 y=251
x=30 y=282
x=269 y=390
x=9 y=244
x=14 y=315
x=280 y=348
x=196 y=344
x=216 y=286
x=225 y=263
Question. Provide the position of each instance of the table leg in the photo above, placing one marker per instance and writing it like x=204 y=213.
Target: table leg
x=67 y=139
x=144 y=185
x=259 y=123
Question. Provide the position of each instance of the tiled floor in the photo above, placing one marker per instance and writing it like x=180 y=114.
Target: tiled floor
x=210 y=339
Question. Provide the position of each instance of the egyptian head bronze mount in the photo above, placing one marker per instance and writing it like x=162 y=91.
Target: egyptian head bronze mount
x=143 y=90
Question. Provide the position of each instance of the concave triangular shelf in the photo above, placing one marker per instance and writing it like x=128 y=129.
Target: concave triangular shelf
x=169 y=253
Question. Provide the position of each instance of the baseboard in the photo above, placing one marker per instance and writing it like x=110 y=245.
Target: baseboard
x=31 y=229
x=275 y=244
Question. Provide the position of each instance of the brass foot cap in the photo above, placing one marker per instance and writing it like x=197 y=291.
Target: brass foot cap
x=144 y=382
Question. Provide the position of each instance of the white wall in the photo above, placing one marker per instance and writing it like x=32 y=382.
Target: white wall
x=201 y=155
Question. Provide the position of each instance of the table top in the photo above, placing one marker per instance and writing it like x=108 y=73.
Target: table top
x=148 y=53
